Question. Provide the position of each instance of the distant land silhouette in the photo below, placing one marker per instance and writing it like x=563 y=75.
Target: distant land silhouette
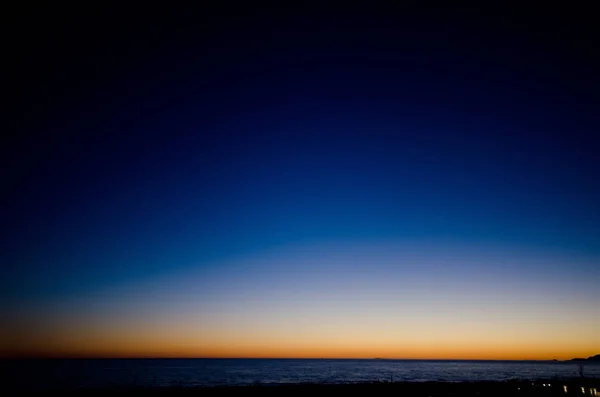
x=592 y=358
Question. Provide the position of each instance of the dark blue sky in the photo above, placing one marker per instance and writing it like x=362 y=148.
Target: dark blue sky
x=151 y=142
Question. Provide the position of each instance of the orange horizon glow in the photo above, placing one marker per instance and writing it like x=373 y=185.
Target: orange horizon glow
x=98 y=355
x=438 y=305
x=433 y=352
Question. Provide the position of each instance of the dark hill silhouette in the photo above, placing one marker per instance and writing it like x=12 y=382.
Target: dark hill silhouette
x=592 y=358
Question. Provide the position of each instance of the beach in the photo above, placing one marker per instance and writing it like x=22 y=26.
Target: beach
x=548 y=387
x=291 y=376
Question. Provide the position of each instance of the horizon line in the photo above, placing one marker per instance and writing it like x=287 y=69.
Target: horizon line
x=84 y=357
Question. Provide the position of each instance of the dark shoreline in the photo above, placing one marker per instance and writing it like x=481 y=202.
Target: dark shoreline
x=547 y=387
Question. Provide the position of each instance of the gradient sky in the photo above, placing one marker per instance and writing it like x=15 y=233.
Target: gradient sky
x=268 y=183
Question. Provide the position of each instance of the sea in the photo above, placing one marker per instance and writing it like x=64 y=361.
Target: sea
x=100 y=373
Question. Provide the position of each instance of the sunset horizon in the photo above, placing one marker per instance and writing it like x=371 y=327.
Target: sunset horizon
x=310 y=306
x=286 y=182
x=309 y=354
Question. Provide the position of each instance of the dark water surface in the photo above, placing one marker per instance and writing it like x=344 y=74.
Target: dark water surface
x=83 y=373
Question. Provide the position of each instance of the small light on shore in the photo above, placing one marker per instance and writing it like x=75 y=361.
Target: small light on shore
x=565 y=388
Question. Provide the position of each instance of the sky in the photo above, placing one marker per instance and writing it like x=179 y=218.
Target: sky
x=241 y=181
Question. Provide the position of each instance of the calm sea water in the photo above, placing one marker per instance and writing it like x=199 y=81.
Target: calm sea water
x=82 y=373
